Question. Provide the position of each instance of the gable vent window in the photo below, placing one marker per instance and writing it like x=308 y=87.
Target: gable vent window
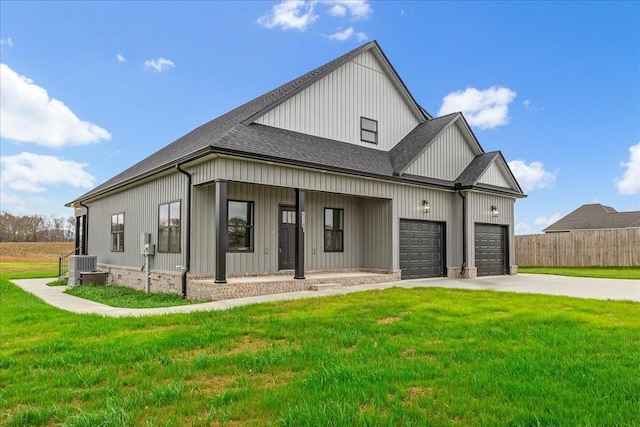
x=368 y=130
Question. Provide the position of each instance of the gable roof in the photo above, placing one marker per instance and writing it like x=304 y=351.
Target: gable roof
x=235 y=133
x=593 y=217
x=478 y=166
x=416 y=141
x=198 y=141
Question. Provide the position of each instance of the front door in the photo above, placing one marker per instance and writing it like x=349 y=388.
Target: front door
x=286 y=238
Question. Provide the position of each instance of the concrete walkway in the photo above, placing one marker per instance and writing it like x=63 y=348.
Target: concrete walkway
x=603 y=289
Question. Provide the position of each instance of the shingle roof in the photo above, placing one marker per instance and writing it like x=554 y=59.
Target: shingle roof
x=268 y=142
x=202 y=137
x=594 y=217
x=416 y=141
x=234 y=133
x=476 y=168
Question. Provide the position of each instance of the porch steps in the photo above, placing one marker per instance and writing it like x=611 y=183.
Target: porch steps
x=324 y=286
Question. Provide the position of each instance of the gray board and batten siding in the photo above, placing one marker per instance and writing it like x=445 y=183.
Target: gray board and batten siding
x=330 y=107
x=373 y=209
x=306 y=135
x=445 y=158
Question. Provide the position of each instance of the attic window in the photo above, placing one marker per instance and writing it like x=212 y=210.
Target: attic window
x=368 y=130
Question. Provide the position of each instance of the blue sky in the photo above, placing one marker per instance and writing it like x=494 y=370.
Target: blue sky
x=90 y=88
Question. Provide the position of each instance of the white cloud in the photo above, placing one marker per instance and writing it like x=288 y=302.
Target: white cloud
x=299 y=14
x=630 y=181
x=159 y=65
x=360 y=36
x=32 y=173
x=528 y=105
x=486 y=109
x=337 y=10
x=544 y=222
x=358 y=9
x=531 y=176
x=539 y=223
x=342 y=35
x=6 y=42
x=294 y=14
x=121 y=58
x=523 y=228
x=8 y=199
x=29 y=115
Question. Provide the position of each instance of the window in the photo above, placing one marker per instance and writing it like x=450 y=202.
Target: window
x=240 y=226
x=368 y=130
x=333 y=230
x=117 y=232
x=169 y=227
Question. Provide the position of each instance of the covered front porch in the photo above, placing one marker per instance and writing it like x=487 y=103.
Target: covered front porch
x=244 y=230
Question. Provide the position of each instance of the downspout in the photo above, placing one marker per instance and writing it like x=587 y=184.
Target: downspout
x=463 y=268
x=85 y=232
x=185 y=270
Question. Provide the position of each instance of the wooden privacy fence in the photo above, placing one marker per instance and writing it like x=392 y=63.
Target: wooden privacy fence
x=592 y=248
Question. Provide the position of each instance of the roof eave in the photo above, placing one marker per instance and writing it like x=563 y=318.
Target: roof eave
x=140 y=177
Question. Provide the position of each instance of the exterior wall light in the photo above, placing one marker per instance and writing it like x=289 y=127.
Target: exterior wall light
x=494 y=211
x=426 y=207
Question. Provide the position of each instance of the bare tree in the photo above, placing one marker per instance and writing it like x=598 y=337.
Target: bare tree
x=36 y=228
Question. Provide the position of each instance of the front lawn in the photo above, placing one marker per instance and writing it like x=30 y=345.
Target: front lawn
x=120 y=296
x=598 y=272
x=395 y=357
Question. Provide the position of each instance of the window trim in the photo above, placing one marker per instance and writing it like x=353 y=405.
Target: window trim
x=118 y=248
x=363 y=130
x=250 y=226
x=324 y=230
x=169 y=227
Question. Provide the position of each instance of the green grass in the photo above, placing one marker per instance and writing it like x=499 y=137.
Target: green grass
x=58 y=282
x=29 y=270
x=599 y=272
x=119 y=296
x=395 y=357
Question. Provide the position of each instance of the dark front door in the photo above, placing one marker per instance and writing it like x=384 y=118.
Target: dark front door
x=286 y=238
x=491 y=249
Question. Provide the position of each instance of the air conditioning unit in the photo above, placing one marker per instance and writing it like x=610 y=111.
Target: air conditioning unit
x=78 y=264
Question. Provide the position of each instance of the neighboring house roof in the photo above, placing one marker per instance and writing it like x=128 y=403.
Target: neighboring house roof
x=234 y=133
x=594 y=217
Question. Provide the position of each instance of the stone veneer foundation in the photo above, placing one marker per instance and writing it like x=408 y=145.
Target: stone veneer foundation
x=203 y=287
x=456 y=273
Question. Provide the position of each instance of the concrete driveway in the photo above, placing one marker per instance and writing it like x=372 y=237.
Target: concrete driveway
x=578 y=287
x=603 y=289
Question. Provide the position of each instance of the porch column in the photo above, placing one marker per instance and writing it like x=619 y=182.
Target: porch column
x=78 y=231
x=299 y=255
x=221 y=231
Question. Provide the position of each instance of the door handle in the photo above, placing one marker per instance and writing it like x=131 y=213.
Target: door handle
x=279 y=250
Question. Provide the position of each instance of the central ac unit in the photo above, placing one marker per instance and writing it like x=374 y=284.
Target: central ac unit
x=78 y=264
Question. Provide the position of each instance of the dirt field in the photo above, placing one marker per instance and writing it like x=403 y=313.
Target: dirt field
x=34 y=252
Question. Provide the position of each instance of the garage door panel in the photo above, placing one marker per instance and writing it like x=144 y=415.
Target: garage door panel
x=490 y=249
x=421 y=249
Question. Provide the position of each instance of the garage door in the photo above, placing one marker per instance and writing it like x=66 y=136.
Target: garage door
x=421 y=249
x=491 y=244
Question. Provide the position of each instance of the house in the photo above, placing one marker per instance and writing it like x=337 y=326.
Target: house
x=339 y=170
x=594 y=217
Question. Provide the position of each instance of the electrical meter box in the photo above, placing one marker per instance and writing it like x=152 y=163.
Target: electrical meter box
x=146 y=247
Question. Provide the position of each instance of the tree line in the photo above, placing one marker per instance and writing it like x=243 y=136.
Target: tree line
x=36 y=228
